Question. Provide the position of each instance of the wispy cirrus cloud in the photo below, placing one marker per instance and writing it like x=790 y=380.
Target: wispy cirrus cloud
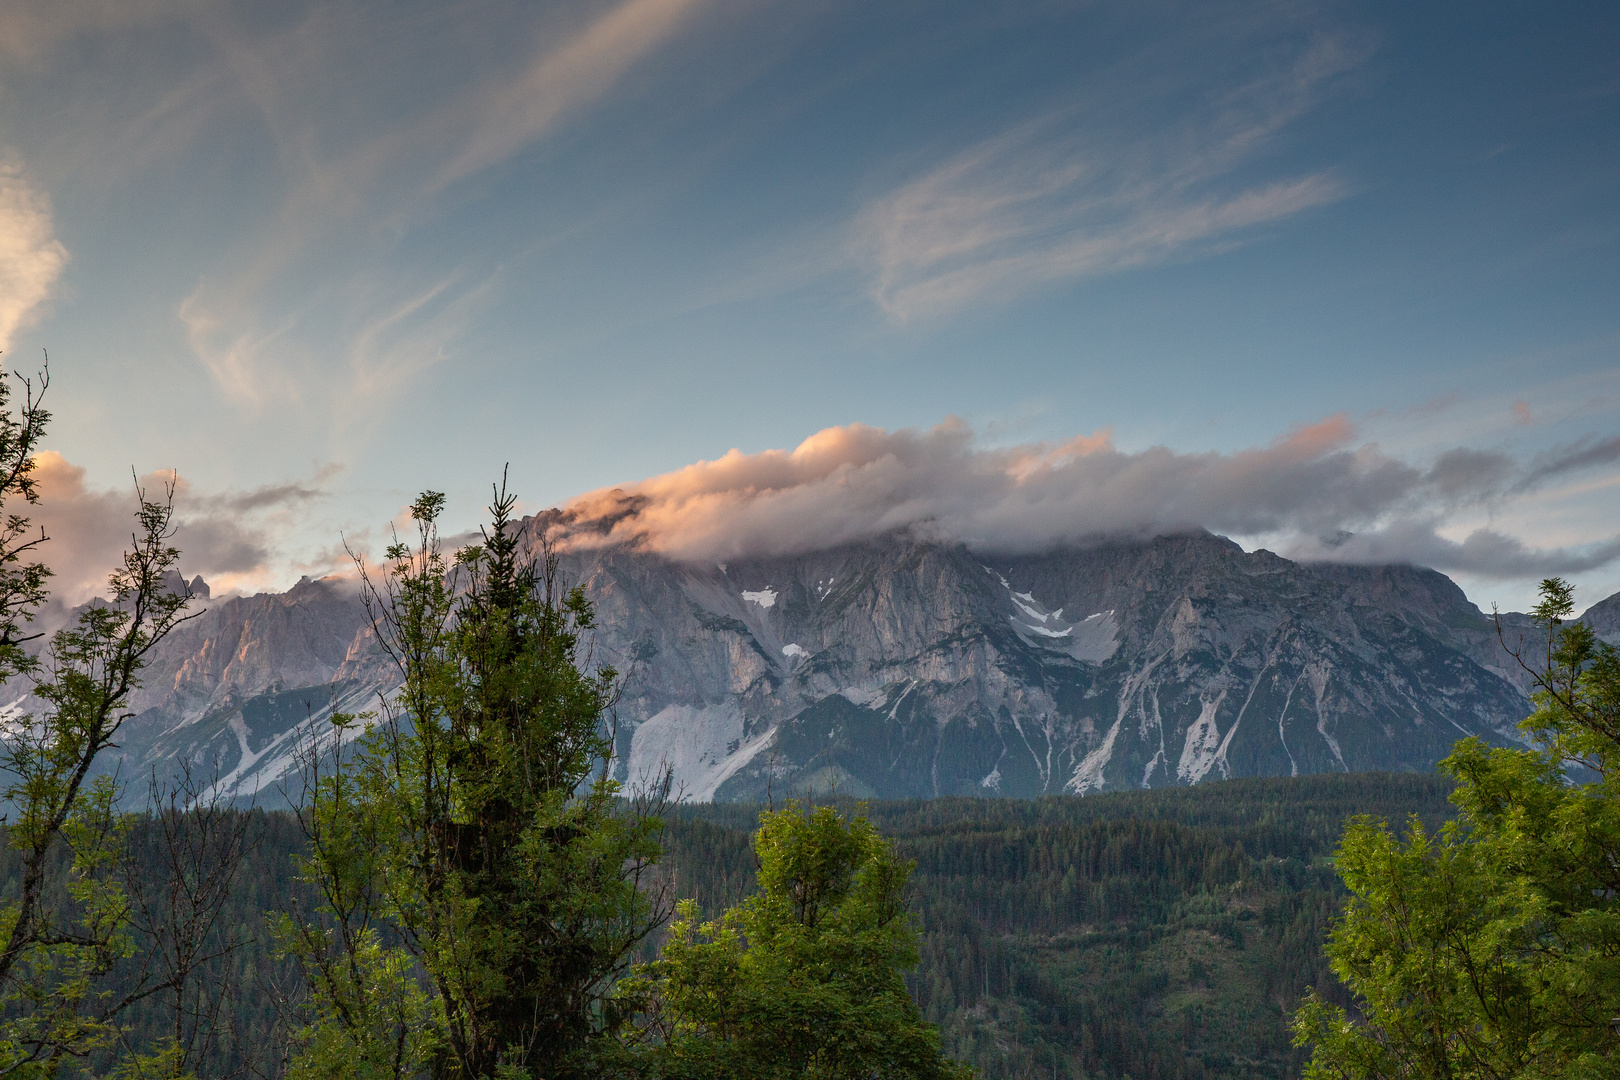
x=512 y=114
x=1316 y=489
x=31 y=257
x=242 y=359
x=30 y=28
x=394 y=345
x=1062 y=196
x=1583 y=453
x=355 y=188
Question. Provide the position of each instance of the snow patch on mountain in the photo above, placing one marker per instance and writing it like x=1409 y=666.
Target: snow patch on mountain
x=1203 y=745
x=1088 y=776
x=12 y=718
x=275 y=764
x=1026 y=604
x=765 y=597
x=702 y=747
x=1093 y=639
x=894 y=710
x=1043 y=631
x=793 y=649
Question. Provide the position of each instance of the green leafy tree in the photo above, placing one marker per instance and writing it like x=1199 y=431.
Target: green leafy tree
x=480 y=874
x=67 y=925
x=1492 y=948
x=804 y=979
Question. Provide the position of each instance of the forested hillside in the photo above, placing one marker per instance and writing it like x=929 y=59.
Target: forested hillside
x=1144 y=934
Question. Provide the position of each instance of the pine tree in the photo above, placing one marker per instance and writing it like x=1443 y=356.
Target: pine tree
x=481 y=876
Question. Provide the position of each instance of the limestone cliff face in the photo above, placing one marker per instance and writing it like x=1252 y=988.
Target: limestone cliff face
x=245 y=646
x=233 y=691
x=1604 y=617
x=903 y=668
x=907 y=669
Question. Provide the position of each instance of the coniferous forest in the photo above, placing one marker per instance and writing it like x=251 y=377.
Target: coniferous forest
x=1147 y=934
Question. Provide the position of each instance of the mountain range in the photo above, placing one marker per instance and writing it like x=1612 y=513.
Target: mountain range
x=901 y=667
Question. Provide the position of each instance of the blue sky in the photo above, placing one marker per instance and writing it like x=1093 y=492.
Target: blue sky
x=317 y=257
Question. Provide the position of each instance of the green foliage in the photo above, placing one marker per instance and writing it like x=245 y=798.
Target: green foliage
x=66 y=926
x=201 y=987
x=50 y=992
x=181 y=866
x=804 y=979
x=479 y=877
x=22 y=583
x=1161 y=933
x=1492 y=948
x=1151 y=934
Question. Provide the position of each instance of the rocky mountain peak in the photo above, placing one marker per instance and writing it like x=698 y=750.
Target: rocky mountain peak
x=901 y=667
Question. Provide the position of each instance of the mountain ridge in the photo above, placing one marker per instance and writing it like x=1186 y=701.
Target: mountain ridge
x=977 y=661
x=901 y=667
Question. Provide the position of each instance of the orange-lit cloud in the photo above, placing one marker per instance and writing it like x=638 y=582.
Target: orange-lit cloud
x=225 y=537
x=1333 y=498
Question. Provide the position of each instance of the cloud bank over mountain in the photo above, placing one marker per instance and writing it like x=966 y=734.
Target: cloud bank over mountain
x=1315 y=493
x=1320 y=492
x=229 y=538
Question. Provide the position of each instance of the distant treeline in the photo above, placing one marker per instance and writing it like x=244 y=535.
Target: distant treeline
x=1153 y=934
x=1150 y=934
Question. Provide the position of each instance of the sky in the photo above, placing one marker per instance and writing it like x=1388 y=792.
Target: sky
x=1336 y=279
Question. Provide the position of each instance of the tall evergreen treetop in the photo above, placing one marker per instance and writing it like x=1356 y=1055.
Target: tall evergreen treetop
x=479 y=871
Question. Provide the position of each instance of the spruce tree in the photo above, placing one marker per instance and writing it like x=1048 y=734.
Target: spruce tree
x=481 y=875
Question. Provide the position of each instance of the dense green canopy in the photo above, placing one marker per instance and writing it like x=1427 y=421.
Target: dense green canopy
x=1492 y=947
x=805 y=978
